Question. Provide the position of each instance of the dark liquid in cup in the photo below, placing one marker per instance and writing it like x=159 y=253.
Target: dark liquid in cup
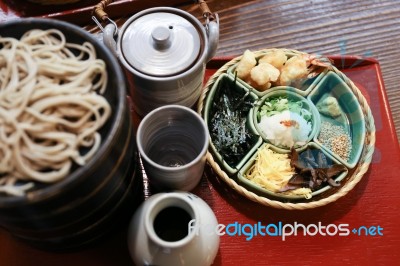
x=173 y=150
x=171 y=224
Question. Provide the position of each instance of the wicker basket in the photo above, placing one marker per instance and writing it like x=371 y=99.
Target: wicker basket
x=354 y=176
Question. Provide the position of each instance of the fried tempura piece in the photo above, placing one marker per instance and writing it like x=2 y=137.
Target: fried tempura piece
x=277 y=58
x=262 y=75
x=300 y=67
x=295 y=69
x=246 y=63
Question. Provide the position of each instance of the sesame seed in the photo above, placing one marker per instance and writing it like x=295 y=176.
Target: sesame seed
x=336 y=139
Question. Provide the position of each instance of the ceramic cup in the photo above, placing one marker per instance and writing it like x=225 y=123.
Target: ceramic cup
x=173 y=141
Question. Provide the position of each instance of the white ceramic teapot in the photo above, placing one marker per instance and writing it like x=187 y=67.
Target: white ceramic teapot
x=164 y=51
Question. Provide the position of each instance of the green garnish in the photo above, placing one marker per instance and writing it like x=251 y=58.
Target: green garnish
x=228 y=119
x=280 y=104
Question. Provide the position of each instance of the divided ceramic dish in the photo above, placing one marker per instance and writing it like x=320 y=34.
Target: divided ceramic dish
x=256 y=140
x=313 y=96
x=241 y=176
x=351 y=117
x=286 y=93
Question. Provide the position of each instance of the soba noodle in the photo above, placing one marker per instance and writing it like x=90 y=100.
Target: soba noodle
x=50 y=108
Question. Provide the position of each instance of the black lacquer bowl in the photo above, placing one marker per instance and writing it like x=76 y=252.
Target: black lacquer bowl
x=94 y=198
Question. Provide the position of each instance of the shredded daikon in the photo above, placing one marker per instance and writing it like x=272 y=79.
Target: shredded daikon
x=272 y=171
x=286 y=129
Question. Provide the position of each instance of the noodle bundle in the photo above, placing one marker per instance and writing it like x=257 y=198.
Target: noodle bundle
x=50 y=108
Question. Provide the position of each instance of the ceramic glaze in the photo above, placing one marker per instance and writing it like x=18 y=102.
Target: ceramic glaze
x=173 y=142
x=352 y=119
x=187 y=219
x=164 y=51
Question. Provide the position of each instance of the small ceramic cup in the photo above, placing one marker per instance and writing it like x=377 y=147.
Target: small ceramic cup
x=173 y=142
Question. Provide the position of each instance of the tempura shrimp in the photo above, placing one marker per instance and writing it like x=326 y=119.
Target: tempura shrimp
x=300 y=67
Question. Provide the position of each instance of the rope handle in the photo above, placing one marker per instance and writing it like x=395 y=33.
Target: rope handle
x=100 y=13
x=205 y=9
x=98 y=10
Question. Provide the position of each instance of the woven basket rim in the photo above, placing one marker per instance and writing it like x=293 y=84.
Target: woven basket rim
x=358 y=173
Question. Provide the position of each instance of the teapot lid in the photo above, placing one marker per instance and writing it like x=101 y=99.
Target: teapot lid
x=160 y=44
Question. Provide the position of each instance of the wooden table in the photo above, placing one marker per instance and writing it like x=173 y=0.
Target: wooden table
x=365 y=28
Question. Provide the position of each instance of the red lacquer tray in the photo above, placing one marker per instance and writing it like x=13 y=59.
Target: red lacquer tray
x=371 y=208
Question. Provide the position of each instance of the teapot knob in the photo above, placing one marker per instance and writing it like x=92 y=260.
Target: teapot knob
x=161 y=37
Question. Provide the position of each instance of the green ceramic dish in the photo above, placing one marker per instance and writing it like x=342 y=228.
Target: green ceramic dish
x=351 y=118
x=291 y=96
x=330 y=83
x=281 y=196
x=257 y=140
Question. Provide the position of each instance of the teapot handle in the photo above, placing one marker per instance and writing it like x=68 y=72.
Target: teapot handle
x=110 y=31
x=212 y=29
x=108 y=38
